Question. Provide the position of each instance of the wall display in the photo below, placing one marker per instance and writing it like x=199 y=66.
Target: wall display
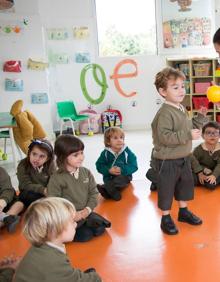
x=58 y=58
x=14 y=85
x=82 y=58
x=57 y=34
x=36 y=65
x=186 y=24
x=39 y=98
x=81 y=32
x=12 y=66
x=12 y=27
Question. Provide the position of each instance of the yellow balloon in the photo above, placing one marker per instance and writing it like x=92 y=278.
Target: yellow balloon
x=213 y=93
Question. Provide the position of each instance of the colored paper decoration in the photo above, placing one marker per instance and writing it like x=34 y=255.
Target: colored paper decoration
x=102 y=83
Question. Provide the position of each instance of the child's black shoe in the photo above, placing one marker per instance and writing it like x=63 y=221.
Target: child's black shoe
x=153 y=187
x=102 y=191
x=188 y=217
x=90 y=270
x=168 y=226
x=11 y=222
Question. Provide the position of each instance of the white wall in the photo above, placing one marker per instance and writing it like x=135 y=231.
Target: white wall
x=63 y=81
x=28 y=44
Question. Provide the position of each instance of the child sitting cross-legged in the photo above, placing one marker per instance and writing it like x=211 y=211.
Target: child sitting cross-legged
x=206 y=157
x=76 y=183
x=34 y=171
x=116 y=163
x=10 y=207
x=48 y=224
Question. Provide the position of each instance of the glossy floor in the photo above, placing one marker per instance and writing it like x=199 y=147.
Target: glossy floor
x=134 y=249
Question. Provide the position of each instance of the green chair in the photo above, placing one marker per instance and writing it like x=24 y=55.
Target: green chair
x=67 y=113
x=4 y=134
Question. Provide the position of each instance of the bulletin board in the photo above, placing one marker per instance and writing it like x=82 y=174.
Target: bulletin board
x=185 y=25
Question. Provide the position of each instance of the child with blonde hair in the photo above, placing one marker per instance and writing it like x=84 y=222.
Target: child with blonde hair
x=48 y=224
x=116 y=163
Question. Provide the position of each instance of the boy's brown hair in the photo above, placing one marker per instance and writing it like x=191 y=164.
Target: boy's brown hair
x=168 y=73
x=109 y=132
x=216 y=37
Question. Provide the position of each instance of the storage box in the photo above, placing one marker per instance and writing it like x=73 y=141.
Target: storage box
x=199 y=102
x=184 y=68
x=202 y=69
x=201 y=87
x=218 y=118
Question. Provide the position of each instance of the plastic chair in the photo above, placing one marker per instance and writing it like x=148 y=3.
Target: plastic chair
x=67 y=113
x=4 y=134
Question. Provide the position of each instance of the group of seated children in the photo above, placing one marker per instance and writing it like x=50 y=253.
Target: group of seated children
x=50 y=222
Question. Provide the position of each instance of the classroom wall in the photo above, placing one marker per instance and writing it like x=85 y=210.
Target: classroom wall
x=28 y=43
x=62 y=81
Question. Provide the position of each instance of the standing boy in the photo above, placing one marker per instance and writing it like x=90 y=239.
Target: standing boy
x=172 y=138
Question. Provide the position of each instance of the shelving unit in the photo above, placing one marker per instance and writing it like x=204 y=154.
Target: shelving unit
x=199 y=72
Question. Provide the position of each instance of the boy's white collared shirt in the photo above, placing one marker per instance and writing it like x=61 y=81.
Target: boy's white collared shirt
x=180 y=107
x=62 y=249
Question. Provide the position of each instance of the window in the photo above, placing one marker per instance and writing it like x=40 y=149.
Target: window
x=126 y=28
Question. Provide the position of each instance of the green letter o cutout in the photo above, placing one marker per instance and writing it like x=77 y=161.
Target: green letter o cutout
x=102 y=83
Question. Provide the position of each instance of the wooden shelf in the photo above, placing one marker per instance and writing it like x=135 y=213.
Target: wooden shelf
x=187 y=65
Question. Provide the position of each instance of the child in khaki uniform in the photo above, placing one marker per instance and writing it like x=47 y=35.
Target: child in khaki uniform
x=206 y=157
x=77 y=184
x=34 y=171
x=172 y=138
x=48 y=224
x=10 y=207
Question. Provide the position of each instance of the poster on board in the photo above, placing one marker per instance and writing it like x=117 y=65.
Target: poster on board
x=186 y=24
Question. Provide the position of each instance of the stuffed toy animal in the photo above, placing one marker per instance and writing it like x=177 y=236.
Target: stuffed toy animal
x=28 y=127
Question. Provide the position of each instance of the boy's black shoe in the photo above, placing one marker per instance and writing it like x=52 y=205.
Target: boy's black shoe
x=11 y=222
x=90 y=270
x=153 y=187
x=188 y=217
x=168 y=226
x=102 y=191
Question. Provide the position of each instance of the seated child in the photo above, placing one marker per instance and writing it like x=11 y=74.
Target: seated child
x=116 y=163
x=10 y=207
x=76 y=183
x=206 y=157
x=34 y=171
x=48 y=224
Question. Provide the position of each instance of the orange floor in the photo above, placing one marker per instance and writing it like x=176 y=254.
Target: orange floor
x=136 y=250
